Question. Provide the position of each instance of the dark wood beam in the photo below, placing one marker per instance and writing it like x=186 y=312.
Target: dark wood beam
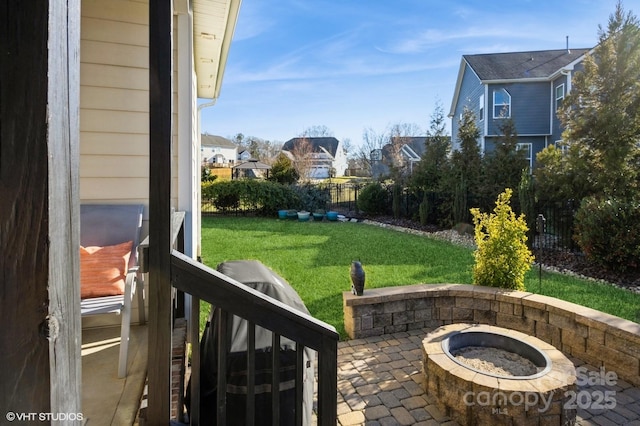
x=39 y=228
x=160 y=132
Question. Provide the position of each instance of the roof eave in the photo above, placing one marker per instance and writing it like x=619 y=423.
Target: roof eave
x=456 y=92
x=212 y=35
x=570 y=66
x=516 y=80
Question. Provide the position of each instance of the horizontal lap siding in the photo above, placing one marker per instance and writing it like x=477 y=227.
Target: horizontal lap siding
x=114 y=102
x=114 y=109
x=530 y=108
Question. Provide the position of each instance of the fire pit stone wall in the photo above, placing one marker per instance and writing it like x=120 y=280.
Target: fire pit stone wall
x=599 y=339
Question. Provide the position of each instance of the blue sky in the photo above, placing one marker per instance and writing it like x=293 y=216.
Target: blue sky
x=351 y=65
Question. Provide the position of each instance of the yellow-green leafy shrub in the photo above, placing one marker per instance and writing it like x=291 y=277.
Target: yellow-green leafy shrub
x=502 y=257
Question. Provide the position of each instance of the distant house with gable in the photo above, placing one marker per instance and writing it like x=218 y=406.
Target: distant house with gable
x=244 y=155
x=217 y=151
x=527 y=87
x=410 y=150
x=326 y=155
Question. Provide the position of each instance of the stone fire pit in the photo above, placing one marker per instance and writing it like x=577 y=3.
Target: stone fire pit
x=479 y=395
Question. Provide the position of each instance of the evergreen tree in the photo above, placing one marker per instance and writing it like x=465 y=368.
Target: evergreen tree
x=462 y=180
x=426 y=180
x=601 y=115
x=435 y=159
x=468 y=160
x=506 y=162
x=283 y=171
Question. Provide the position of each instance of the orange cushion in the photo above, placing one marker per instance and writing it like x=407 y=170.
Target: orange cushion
x=103 y=270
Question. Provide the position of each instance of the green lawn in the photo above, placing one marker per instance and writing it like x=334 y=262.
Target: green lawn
x=315 y=259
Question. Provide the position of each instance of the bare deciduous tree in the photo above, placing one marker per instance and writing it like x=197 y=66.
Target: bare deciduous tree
x=302 y=153
x=372 y=142
x=317 y=131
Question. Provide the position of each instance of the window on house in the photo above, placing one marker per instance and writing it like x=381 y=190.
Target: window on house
x=562 y=146
x=481 y=107
x=527 y=148
x=559 y=96
x=501 y=104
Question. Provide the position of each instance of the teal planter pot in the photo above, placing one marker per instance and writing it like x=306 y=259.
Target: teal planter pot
x=282 y=214
x=303 y=216
x=332 y=216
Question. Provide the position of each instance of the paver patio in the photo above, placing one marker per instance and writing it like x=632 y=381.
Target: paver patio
x=380 y=383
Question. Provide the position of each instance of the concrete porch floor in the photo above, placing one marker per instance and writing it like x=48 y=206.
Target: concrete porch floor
x=106 y=399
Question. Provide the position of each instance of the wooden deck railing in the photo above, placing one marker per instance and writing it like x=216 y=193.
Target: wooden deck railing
x=234 y=298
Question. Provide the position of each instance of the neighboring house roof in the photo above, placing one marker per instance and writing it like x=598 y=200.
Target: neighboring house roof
x=413 y=147
x=216 y=141
x=318 y=144
x=414 y=143
x=522 y=65
x=539 y=65
x=252 y=165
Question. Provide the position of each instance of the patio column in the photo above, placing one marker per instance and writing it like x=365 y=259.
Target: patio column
x=160 y=131
x=39 y=211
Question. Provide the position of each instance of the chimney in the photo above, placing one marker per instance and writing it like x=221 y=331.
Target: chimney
x=568 y=50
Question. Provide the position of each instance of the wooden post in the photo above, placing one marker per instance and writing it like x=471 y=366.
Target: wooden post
x=39 y=212
x=160 y=132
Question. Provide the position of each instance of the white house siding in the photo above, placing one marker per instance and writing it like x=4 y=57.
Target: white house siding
x=114 y=102
x=340 y=163
x=226 y=156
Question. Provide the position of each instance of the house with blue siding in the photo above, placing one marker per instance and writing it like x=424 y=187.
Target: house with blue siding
x=527 y=87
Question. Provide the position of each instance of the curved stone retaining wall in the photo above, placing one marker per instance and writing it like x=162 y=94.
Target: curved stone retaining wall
x=599 y=339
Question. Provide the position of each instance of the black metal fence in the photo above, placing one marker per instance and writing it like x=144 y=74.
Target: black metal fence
x=343 y=197
x=553 y=227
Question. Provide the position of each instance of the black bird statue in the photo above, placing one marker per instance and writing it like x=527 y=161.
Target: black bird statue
x=357 y=278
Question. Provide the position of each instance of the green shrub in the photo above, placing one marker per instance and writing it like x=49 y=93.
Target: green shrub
x=312 y=197
x=502 y=257
x=373 y=199
x=396 y=200
x=608 y=232
x=271 y=197
x=282 y=170
x=460 y=199
x=223 y=194
x=264 y=197
x=423 y=210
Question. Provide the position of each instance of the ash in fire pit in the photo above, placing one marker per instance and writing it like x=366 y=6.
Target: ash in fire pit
x=496 y=354
x=495 y=361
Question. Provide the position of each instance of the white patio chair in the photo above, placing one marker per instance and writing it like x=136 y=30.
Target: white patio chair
x=105 y=225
